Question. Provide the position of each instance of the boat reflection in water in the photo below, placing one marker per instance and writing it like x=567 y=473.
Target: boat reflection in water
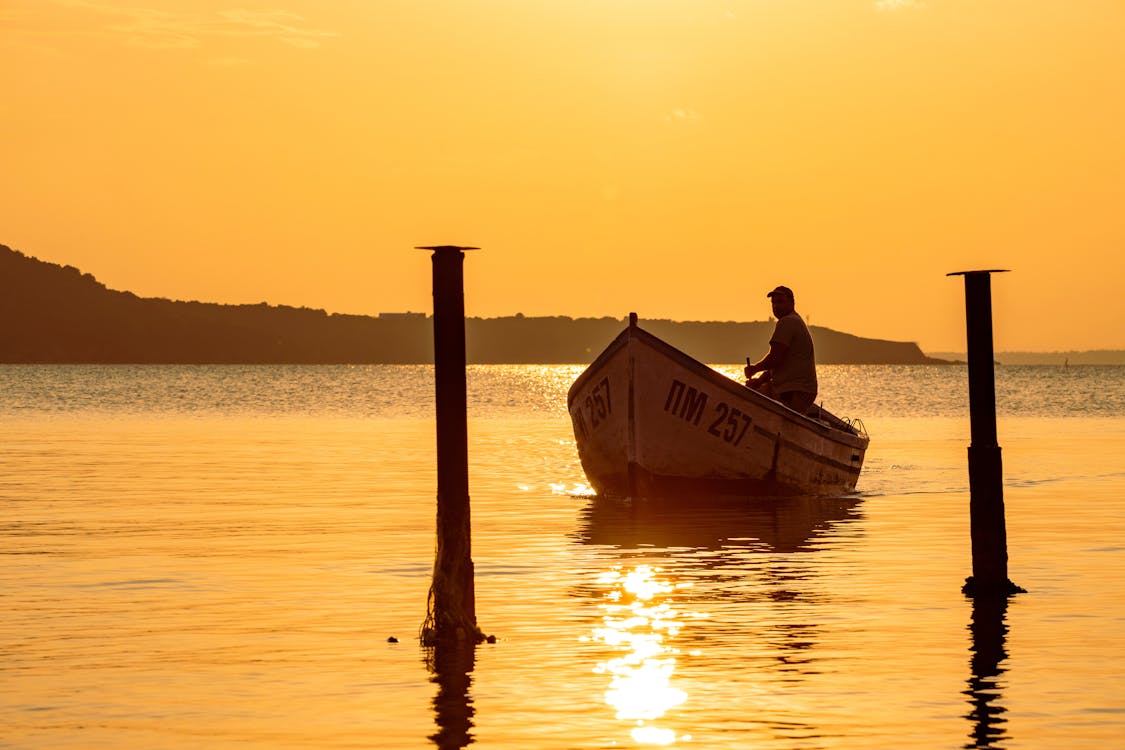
x=710 y=574
x=714 y=522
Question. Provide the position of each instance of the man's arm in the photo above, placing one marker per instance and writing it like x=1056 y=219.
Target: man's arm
x=772 y=359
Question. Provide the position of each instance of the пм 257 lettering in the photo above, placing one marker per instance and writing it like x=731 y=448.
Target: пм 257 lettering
x=689 y=404
x=597 y=405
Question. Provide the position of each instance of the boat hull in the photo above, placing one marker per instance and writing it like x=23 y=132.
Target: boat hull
x=650 y=420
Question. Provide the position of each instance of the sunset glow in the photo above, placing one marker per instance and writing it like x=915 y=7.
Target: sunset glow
x=673 y=158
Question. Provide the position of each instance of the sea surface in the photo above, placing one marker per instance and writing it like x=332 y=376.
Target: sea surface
x=219 y=557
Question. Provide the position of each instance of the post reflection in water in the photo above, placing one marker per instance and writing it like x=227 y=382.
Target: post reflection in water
x=729 y=573
x=989 y=633
x=451 y=664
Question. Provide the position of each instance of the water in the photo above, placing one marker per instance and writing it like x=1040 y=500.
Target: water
x=216 y=557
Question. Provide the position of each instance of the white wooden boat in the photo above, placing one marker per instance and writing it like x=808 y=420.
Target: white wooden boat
x=649 y=420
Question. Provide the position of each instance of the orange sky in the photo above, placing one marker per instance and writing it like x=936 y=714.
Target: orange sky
x=677 y=158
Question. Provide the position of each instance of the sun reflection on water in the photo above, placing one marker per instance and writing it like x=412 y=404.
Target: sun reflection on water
x=638 y=623
x=576 y=489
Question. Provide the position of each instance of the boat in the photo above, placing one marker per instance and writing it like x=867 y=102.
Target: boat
x=649 y=420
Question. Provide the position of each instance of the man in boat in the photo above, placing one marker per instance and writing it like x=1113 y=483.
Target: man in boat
x=789 y=368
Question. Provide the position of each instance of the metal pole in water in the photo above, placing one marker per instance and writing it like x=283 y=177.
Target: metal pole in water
x=451 y=610
x=986 y=487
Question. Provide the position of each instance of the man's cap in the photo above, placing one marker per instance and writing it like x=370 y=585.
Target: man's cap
x=784 y=291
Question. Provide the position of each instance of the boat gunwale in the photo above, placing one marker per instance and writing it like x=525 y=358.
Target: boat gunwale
x=720 y=380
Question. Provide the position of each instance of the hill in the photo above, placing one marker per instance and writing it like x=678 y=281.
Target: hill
x=58 y=314
x=1091 y=357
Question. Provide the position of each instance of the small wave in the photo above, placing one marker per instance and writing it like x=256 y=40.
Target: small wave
x=135 y=583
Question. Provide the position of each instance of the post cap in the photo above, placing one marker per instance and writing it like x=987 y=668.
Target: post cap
x=977 y=273
x=440 y=248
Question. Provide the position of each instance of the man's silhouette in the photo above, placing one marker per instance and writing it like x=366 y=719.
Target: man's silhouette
x=790 y=364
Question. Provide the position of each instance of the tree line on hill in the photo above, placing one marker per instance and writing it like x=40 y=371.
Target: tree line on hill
x=57 y=314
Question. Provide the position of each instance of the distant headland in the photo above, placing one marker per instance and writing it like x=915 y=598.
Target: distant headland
x=57 y=314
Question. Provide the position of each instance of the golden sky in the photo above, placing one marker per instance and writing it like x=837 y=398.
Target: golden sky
x=677 y=158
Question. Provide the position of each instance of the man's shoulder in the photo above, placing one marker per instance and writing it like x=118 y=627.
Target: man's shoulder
x=789 y=329
x=792 y=320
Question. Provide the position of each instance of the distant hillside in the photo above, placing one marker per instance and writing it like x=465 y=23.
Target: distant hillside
x=1092 y=357
x=57 y=314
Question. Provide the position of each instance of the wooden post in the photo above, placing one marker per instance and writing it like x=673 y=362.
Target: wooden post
x=451 y=609
x=986 y=487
